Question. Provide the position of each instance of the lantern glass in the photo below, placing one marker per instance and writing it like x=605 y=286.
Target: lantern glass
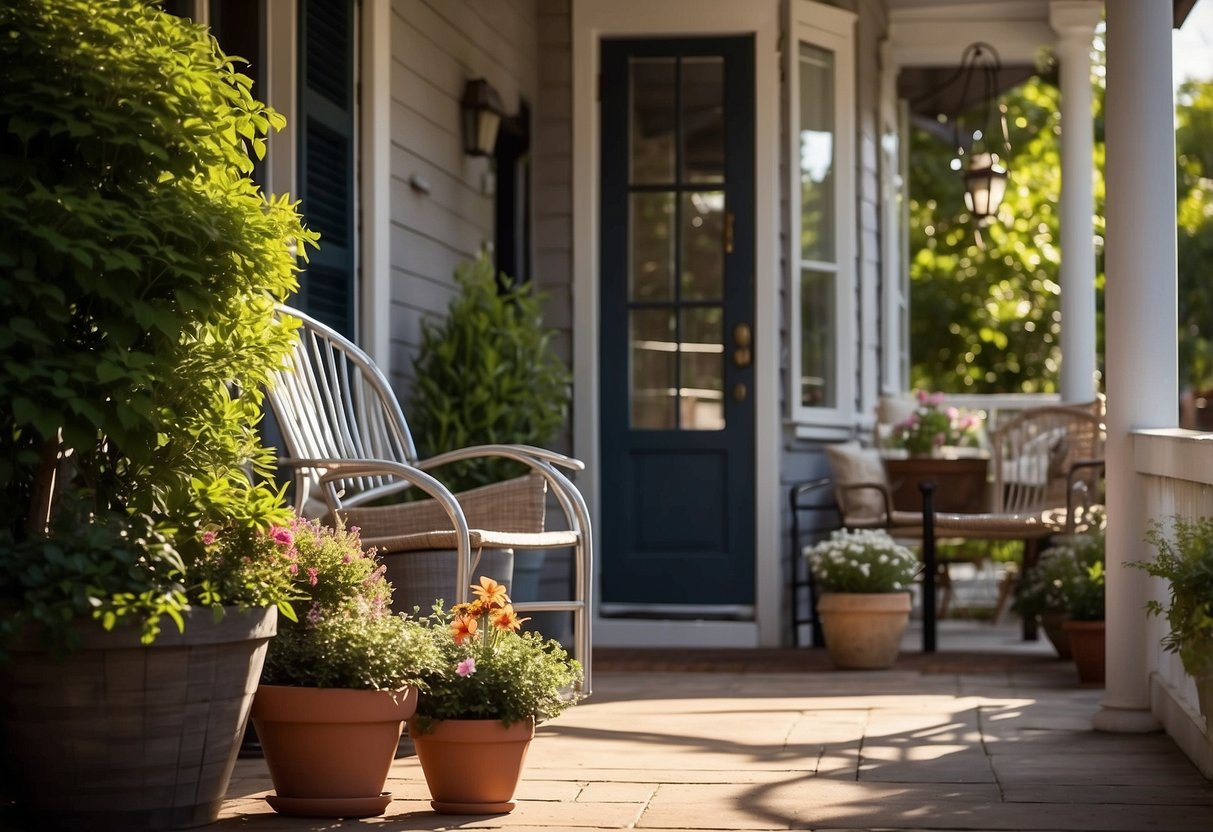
x=482 y=111
x=985 y=185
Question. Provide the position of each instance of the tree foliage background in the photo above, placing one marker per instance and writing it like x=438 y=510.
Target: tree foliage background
x=987 y=319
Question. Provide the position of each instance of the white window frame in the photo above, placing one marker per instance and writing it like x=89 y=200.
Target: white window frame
x=831 y=29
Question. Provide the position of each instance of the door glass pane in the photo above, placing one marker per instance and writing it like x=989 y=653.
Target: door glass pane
x=817 y=339
x=703 y=119
x=651 y=273
x=702 y=245
x=816 y=154
x=653 y=381
x=701 y=405
x=652 y=86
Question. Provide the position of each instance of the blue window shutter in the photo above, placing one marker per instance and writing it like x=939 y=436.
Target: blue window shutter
x=326 y=158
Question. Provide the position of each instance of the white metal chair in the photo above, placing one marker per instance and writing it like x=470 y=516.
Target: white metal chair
x=348 y=443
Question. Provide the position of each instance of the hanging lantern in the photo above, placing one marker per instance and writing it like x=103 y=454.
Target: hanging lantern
x=985 y=186
x=977 y=157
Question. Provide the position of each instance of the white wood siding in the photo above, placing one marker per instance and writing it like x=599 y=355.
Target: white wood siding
x=437 y=46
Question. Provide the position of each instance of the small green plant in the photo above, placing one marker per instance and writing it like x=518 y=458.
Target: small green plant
x=487 y=374
x=347 y=635
x=1068 y=578
x=139 y=268
x=864 y=560
x=1185 y=560
x=487 y=669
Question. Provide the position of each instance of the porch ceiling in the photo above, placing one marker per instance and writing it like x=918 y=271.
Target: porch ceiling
x=1033 y=8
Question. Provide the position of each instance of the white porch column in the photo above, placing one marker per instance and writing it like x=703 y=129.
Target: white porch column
x=1075 y=21
x=1141 y=318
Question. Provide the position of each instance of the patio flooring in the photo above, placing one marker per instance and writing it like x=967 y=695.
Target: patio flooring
x=976 y=737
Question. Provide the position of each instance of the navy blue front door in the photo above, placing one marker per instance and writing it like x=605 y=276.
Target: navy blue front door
x=677 y=306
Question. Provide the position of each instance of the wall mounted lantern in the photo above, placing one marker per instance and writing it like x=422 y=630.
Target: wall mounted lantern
x=482 y=112
x=978 y=145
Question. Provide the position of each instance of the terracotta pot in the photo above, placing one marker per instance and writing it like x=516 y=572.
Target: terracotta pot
x=1052 y=623
x=863 y=630
x=123 y=736
x=472 y=766
x=1087 y=644
x=329 y=749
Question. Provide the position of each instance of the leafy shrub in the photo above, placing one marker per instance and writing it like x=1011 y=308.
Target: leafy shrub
x=139 y=267
x=1068 y=578
x=487 y=374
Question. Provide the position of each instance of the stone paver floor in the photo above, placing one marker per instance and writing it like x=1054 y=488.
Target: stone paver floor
x=901 y=749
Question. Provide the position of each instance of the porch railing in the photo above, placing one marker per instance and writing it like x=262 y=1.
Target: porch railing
x=1177 y=471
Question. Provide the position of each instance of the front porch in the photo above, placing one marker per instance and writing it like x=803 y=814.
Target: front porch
x=945 y=744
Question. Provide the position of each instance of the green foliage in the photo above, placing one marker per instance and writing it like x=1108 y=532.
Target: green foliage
x=489 y=670
x=348 y=636
x=487 y=374
x=1068 y=578
x=863 y=560
x=111 y=569
x=139 y=267
x=1194 y=180
x=1185 y=561
x=985 y=317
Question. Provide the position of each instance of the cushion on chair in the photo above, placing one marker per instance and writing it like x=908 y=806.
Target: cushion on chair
x=851 y=464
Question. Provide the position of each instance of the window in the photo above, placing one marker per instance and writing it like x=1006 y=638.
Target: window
x=822 y=233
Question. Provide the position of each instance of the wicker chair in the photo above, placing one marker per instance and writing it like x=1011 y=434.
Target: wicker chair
x=1047 y=465
x=348 y=444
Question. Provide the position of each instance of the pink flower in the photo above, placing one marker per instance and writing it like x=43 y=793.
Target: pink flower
x=936 y=399
x=346 y=558
x=953 y=413
x=311 y=576
x=293 y=569
x=208 y=538
x=282 y=536
x=922 y=396
x=466 y=667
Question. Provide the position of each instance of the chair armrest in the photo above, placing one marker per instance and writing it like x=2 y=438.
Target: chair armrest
x=540 y=461
x=521 y=453
x=885 y=494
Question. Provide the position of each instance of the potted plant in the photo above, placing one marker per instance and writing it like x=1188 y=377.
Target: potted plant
x=940 y=443
x=139 y=267
x=934 y=426
x=340 y=681
x=486 y=373
x=1185 y=560
x=1045 y=591
x=864 y=577
x=481 y=701
x=1083 y=588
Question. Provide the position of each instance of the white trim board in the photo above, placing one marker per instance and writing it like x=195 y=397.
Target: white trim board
x=592 y=20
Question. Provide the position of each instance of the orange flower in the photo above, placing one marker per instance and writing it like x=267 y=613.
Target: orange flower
x=507 y=619
x=490 y=593
x=463 y=628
